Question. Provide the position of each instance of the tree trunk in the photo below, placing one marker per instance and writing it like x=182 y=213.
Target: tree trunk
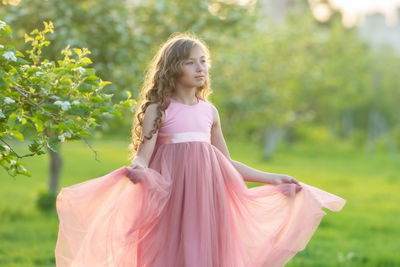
x=376 y=128
x=55 y=170
x=272 y=138
x=348 y=123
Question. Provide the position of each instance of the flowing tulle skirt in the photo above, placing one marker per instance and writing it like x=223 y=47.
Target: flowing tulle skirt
x=190 y=208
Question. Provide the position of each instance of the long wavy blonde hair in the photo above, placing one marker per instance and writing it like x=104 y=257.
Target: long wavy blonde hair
x=160 y=82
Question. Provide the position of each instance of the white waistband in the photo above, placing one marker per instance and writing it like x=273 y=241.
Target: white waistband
x=168 y=138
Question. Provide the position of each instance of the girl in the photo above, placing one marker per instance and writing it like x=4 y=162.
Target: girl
x=183 y=201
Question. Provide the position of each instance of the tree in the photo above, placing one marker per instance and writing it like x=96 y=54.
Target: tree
x=48 y=102
x=123 y=35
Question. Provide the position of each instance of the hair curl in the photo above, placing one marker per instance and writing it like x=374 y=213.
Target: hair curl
x=160 y=83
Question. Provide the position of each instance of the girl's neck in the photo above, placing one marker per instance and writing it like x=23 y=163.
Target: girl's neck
x=187 y=100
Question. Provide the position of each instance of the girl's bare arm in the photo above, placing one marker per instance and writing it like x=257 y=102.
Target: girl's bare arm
x=249 y=174
x=145 y=150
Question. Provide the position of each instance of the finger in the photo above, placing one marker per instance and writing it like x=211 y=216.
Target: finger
x=298 y=188
x=136 y=165
x=140 y=165
x=293 y=180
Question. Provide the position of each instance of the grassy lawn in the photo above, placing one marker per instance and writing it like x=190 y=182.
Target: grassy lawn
x=364 y=233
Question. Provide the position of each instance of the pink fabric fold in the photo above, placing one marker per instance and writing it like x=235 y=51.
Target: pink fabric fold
x=189 y=208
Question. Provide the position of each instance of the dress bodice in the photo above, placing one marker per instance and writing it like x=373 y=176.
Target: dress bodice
x=183 y=123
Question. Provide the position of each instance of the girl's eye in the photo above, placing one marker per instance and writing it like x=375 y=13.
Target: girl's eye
x=191 y=62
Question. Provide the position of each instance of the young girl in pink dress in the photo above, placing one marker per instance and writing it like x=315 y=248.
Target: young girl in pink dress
x=183 y=201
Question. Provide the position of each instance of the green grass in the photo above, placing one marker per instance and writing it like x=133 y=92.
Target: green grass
x=364 y=233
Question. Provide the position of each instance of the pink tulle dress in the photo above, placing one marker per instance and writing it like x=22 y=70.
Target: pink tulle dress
x=189 y=208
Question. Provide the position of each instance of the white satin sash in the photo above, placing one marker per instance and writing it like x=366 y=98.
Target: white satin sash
x=169 y=138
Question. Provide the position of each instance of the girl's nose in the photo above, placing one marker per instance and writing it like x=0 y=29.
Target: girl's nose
x=200 y=67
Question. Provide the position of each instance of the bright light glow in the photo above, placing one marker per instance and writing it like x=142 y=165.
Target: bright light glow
x=11 y=2
x=322 y=12
x=354 y=10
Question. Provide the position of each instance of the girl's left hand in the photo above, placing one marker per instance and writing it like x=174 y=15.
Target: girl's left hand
x=283 y=178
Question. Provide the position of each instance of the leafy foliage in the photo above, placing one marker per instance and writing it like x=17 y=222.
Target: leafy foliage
x=124 y=35
x=265 y=76
x=49 y=102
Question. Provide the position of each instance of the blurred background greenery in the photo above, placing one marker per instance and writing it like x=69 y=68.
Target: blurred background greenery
x=297 y=93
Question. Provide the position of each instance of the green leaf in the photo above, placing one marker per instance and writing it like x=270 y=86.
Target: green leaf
x=18 y=135
x=32 y=70
x=98 y=118
x=38 y=124
x=92 y=79
x=33 y=147
x=125 y=104
x=54 y=144
x=107 y=96
x=84 y=88
x=79 y=110
x=104 y=83
x=50 y=107
x=22 y=170
x=95 y=99
x=117 y=113
x=7 y=30
x=106 y=108
x=78 y=51
x=19 y=54
x=84 y=133
x=86 y=60
x=90 y=71
x=11 y=120
x=27 y=38
x=93 y=124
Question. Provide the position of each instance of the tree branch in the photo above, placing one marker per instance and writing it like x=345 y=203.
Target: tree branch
x=12 y=150
x=95 y=152
x=20 y=91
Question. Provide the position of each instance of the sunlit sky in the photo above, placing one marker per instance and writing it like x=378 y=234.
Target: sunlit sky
x=354 y=10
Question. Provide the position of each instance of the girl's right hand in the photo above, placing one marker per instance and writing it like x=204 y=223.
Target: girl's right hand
x=138 y=164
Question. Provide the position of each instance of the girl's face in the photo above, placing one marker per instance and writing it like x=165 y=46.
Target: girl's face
x=194 y=69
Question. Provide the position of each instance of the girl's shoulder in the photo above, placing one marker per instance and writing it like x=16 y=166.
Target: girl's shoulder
x=153 y=107
x=208 y=102
x=213 y=111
